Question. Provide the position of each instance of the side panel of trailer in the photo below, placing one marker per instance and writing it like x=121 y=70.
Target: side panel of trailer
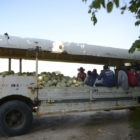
x=18 y=85
x=62 y=100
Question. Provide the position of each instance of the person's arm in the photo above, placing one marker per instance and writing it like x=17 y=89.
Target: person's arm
x=84 y=76
x=119 y=78
x=86 y=81
x=78 y=75
x=100 y=76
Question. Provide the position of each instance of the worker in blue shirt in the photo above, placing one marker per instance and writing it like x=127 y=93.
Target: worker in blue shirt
x=89 y=80
x=108 y=77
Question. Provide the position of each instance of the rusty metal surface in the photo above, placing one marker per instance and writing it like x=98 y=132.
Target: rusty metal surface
x=18 y=85
x=69 y=99
x=86 y=93
x=61 y=100
x=61 y=57
x=73 y=111
x=54 y=108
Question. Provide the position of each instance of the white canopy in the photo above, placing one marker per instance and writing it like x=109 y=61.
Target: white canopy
x=18 y=47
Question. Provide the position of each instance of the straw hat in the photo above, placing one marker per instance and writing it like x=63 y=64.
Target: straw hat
x=81 y=69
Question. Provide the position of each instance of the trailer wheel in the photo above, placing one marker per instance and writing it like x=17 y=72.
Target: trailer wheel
x=132 y=108
x=15 y=118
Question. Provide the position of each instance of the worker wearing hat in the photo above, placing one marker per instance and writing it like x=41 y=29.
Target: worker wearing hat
x=81 y=74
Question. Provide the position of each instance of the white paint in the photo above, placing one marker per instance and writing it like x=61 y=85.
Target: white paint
x=70 y=48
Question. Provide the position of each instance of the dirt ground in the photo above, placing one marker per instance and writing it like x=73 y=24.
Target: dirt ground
x=111 y=125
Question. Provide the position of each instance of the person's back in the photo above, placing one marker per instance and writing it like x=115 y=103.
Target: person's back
x=123 y=78
x=138 y=76
x=132 y=80
x=94 y=76
x=89 y=79
x=108 y=77
x=116 y=75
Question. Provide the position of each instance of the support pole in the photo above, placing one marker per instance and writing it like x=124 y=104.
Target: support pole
x=37 y=53
x=37 y=61
x=9 y=66
x=20 y=65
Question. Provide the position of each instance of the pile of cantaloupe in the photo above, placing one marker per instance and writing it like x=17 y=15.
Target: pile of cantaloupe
x=47 y=79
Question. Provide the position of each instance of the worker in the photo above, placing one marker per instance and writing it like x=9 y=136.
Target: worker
x=89 y=80
x=108 y=77
x=94 y=75
x=138 y=75
x=123 y=78
x=116 y=75
x=132 y=80
x=81 y=74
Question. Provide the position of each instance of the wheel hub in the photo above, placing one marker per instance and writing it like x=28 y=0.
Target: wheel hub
x=14 y=119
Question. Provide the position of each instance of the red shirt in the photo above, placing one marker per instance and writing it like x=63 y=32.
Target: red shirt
x=81 y=75
x=132 y=80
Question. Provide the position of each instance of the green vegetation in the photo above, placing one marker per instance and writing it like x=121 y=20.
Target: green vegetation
x=132 y=5
x=134 y=120
x=135 y=46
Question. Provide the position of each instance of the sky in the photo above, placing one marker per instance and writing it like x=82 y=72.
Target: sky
x=64 y=20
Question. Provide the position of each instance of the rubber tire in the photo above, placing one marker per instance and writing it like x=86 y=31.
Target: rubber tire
x=132 y=108
x=26 y=110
